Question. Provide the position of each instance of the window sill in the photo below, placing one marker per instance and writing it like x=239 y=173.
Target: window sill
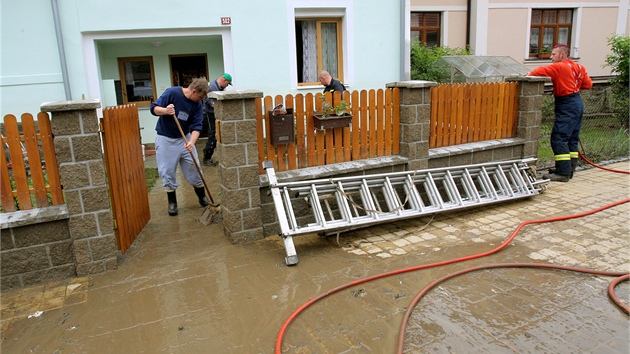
x=317 y=87
x=530 y=60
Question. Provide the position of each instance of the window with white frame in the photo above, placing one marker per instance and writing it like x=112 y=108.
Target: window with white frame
x=137 y=80
x=318 y=46
x=425 y=28
x=548 y=28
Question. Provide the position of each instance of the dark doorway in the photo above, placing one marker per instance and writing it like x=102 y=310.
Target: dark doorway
x=185 y=68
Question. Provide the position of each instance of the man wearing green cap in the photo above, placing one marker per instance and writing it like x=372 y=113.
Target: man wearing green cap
x=208 y=111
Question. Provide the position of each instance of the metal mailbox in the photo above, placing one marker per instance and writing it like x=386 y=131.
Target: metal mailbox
x=282 y=127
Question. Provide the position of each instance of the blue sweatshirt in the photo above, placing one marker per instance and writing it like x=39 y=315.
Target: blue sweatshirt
x=189 y=113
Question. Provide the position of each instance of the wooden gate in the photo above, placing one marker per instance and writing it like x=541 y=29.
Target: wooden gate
x=125 y=170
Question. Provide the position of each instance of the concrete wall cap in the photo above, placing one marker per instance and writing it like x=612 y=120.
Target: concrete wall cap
x=235 y=95
x=529 y=78
x=62 y=106
x=412 y=84
x=33 y=216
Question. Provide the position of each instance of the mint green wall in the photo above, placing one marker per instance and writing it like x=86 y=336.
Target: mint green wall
x=258 y=52
x=29 y=61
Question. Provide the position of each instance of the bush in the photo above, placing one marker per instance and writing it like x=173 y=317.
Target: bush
x=424 y=65
x=619 y=61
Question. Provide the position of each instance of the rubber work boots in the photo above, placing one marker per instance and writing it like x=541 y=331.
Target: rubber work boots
x=172 y=203
x=201 y=194
x=556 y=177
x=574 y=163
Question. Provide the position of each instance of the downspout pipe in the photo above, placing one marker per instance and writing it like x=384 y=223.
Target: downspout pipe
x=62 y=52
x=405 y=54
x=468 y=7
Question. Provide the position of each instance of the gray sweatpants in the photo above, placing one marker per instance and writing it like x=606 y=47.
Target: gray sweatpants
x=168 y=153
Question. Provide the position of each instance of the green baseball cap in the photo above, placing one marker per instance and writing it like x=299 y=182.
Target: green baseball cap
x=228 y=77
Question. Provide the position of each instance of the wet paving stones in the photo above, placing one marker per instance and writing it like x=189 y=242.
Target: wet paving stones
x=184 y=288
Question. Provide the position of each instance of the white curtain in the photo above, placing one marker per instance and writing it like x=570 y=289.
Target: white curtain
x=309 y=56
x=329 y=48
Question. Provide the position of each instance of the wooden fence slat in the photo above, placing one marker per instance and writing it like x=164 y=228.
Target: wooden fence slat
x=17 y=162
x=291 y=147
x=346 y=132
x=310 y=130
x=50 y=158
x=271 y=151
x=373 y=123
x=500 y=105
x=6 y=191
x=300 y=121
x=489 y=112
x=337 y=134
x=356 y=126
x=452 y=117
x=478 y=112
x=365 y=124
x=467 y=119
x=459 y=121
x=34 y=161
x=388 y=122
x=380 y=123
x=433 y=118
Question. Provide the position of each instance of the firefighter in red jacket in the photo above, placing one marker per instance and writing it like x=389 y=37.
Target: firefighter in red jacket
x=568 y=78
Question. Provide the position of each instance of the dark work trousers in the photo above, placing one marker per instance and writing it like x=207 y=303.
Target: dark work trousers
x=211 y=144
x=565 y=133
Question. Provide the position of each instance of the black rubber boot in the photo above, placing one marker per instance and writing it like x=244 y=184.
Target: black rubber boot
x=172 y=203
x=574 y=163
x=201 y=194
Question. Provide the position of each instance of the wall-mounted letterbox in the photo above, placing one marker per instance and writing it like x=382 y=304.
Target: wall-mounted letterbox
x=282 y=127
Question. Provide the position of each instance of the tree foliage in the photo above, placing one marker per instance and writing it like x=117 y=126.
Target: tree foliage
x=424 y=61
x=619 y=61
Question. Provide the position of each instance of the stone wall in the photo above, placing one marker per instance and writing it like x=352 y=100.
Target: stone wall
x=35 y=247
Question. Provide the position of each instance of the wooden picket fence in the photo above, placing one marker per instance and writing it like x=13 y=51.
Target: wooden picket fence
x=125 y=171
x=374 y=129
x=466 y=113
x=28 y=181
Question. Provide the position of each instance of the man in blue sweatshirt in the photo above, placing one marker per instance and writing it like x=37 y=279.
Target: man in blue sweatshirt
x=183 y=104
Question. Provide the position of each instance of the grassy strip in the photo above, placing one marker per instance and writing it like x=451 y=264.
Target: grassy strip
x=151 y=176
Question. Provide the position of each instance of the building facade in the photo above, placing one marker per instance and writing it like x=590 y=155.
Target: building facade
x=129 y=52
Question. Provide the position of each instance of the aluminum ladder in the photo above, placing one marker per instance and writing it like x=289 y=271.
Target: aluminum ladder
x=332 y=205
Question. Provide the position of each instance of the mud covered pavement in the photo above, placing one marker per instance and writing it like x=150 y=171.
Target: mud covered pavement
x=183 y=288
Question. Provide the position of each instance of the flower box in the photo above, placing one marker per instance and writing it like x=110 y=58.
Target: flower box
x=332 y=121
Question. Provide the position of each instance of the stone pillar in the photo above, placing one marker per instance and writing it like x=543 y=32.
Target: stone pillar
x=415 y=116
x=238 y=164
x=75 y=127
x=530 y=111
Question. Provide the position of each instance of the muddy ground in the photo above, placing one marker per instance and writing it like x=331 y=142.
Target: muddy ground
x=183 y=288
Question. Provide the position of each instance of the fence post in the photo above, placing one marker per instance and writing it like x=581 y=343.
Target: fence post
x=530 y=111
x=82 y=171
x=415 y=116
x=238 y=164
